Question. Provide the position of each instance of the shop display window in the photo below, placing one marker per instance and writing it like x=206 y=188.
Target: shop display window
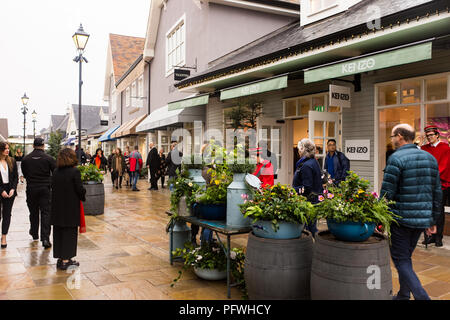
x=439 y=115
x=411 y=91
x=387 y=95
x=436 y=89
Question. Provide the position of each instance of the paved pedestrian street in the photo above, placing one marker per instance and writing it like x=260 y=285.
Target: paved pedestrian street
x=124 y=255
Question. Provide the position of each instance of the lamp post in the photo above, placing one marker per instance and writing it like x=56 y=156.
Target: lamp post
x=80 y=38
x=33 y=115
x=24 y=111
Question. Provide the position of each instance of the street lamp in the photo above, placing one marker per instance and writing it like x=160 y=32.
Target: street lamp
x=24 y=111
x=80 y=38
x=33 y=115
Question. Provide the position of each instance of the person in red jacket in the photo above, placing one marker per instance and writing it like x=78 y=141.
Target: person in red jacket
x=441 y=151
x=264 y=170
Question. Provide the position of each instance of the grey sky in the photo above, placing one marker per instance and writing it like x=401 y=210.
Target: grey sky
x=36 y=52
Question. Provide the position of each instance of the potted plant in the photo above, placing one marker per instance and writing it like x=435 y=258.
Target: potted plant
x=211 y=202
x=92 y=179
x=237 y=188
x=352 y=212
x=209 y=262
x=194 y=165
x=183 y=194
x=278 y=212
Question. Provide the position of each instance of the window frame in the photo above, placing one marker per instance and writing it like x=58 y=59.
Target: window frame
x=181 y=45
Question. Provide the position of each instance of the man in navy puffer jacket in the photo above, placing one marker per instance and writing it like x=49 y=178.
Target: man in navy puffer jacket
x=411 y=179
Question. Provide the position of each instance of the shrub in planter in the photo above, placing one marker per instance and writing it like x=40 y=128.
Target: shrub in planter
x=353 y=204
x=92 y=179
x=182 y=187
x=90 y=172
x=277 y=204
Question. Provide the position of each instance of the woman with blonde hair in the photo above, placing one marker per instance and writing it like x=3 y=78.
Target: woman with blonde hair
x=8 y=185
x=308 y=177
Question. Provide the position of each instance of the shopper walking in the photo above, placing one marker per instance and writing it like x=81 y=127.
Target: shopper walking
x=126 y=154
x=336 y=163
x=67 y=193
x=80 y=155
x=307 y=177
x=135 y=167
x=441 y=152
x=99 y=160
x=162 y=167
x=110 y=166
x=173 y=162
x=37 y=168
x=18 y=157
x=411 y=179
x=8 y=189
x=153 y=162
x=118 y=167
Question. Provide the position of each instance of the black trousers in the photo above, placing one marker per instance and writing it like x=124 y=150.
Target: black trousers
x=441 y=220
x=38 y=201
x=6 y=205
x=115 y=177
x=65 y=242
x=153 y=180
x=163 y=179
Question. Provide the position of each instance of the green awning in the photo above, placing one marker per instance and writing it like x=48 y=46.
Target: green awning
x=369 y=62
x=254 y=88
x=189 y=102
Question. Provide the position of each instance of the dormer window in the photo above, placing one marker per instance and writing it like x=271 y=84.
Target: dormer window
x=320 y=5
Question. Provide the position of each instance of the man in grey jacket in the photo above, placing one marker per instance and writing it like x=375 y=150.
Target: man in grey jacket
x=411 y=179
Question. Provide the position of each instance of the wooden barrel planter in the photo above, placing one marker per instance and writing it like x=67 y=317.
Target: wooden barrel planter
x=351 y=270
x=278 y=269
x=95 y=198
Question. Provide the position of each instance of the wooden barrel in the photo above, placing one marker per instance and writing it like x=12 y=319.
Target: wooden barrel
x=95 y=199
x=278 y=269
x=351 y=270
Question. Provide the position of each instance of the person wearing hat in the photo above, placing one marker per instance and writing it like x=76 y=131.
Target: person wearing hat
x=37 y=168
x=264 y=170
x=441 y=151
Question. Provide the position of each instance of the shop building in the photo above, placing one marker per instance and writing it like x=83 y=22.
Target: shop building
x=394 y=69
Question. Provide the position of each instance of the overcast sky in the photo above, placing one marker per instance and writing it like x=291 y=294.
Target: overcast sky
x=36 y=52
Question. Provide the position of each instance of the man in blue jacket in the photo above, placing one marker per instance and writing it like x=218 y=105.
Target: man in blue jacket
x=411 y=179
x=336 y=163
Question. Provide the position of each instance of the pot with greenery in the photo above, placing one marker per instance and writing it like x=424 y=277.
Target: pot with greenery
x=92 y=180
x=352 y=212
x=211 y=202
x=209 y=262
x=194 y=165
x=238 y=190
x=278 y=212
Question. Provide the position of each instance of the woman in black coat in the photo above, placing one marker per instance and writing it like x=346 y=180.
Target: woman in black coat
x=8 y=188
x=99 y=160
x=67 y=192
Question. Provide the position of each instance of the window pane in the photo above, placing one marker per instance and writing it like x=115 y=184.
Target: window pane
x=318 y=102
x=436 y=89
x=328 y=3
x=183 y=52
x=387 y=95
x=331 y=129
x=316 y=5
x=334 y=109
x=290 y=108
x=439 y=115
x=388 y=118
x=304 y=105
x=318 y=128
x=410 y=91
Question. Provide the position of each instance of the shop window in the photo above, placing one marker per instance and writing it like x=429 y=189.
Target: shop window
x=305 y=106
x=291 y=108
x=439 y=115
x=302 y=105
x=436 y=89
x=410 y=91
x=387 y=95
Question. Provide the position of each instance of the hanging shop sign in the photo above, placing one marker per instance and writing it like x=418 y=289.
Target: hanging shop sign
x=370 y=62
x=340 y=96
x=357 y=149
x=254 y=88
x=181 y=74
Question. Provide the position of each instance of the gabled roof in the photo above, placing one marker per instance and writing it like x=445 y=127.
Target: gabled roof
x=56 y=120
x=124 y=50
x=63 y=125
x=90 y=115
x=293 y=40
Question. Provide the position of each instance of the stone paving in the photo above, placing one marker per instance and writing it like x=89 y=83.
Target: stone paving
x=124 y=255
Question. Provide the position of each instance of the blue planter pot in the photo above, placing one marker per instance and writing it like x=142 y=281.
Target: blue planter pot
x=287 y=230
x=210 y=211
x=351 y=231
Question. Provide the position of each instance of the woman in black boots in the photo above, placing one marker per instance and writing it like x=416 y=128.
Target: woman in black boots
x=67 y=192
x=8 y=185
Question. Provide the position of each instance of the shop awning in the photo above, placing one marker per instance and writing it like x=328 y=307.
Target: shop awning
x=189 y=102
x=373 y=61
x=107 y=135
x=69 y=141
x=129 y=127
x=255 y=87
x=163 y=117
